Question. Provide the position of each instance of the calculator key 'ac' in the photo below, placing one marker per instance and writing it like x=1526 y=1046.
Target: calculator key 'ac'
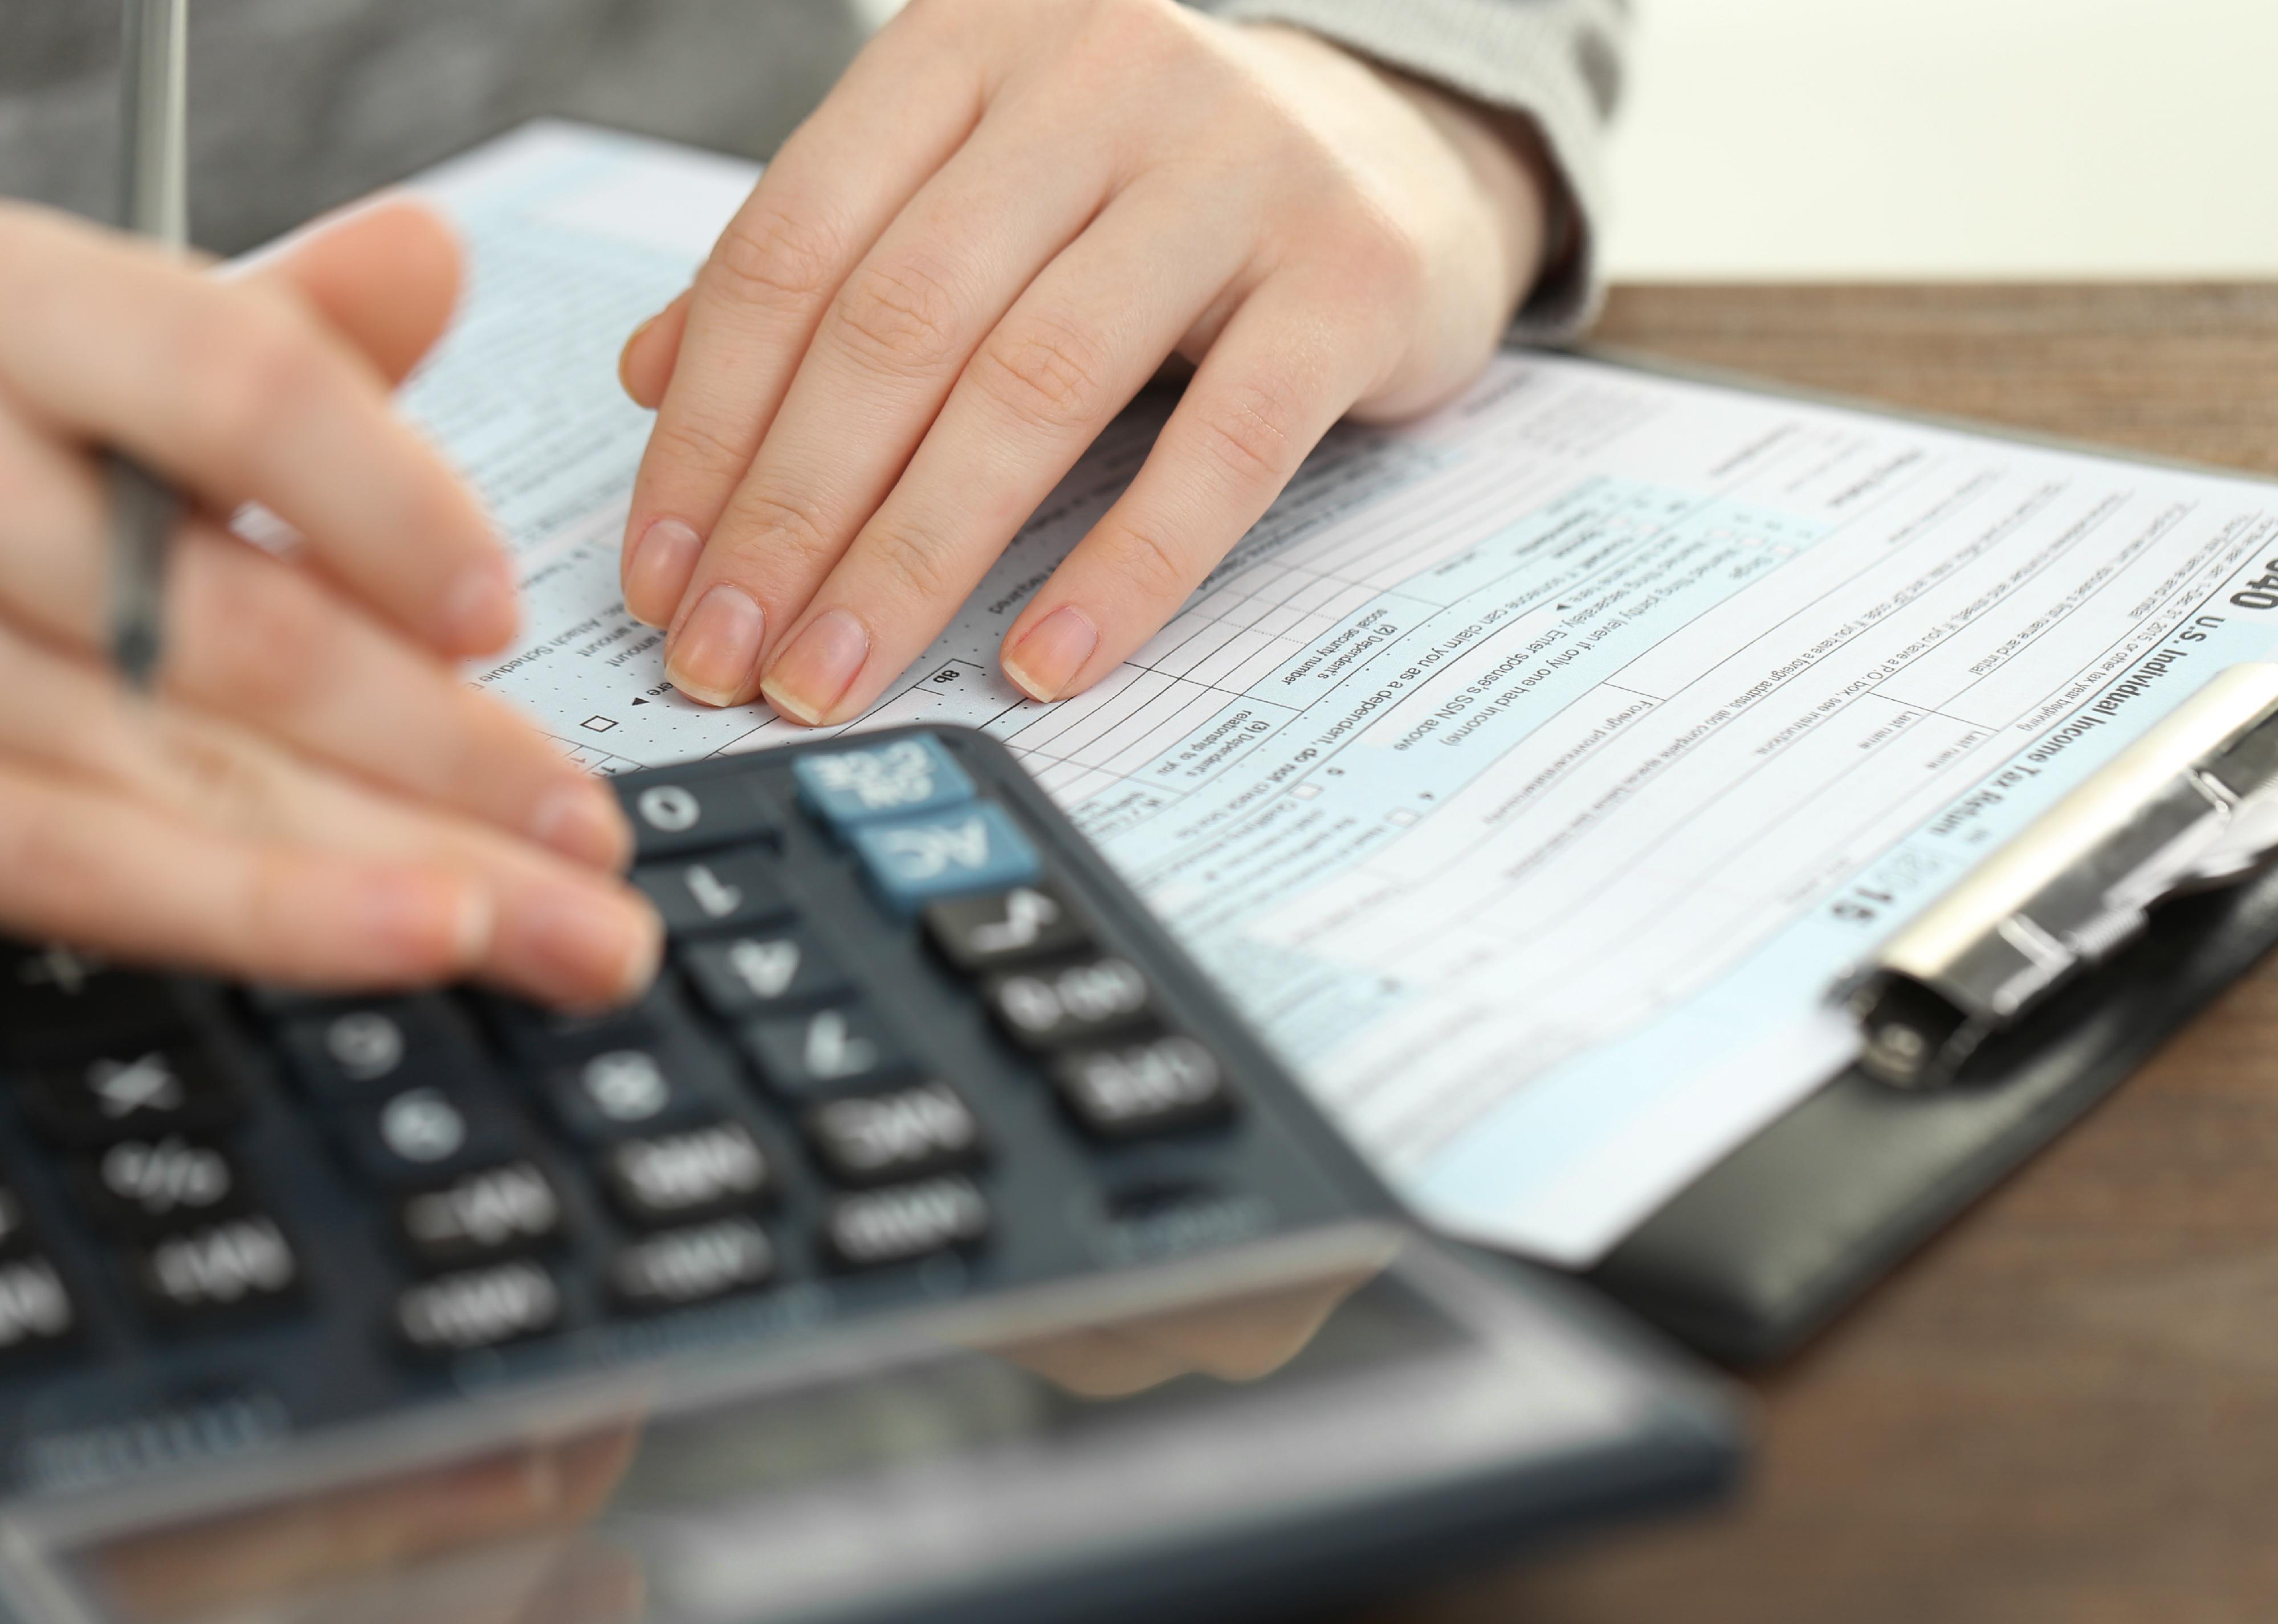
x=913 y=861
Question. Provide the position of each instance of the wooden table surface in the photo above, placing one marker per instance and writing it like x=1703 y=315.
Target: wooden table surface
x=2067 y=1407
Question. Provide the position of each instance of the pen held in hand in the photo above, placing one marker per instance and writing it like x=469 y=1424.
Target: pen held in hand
x=155 y=193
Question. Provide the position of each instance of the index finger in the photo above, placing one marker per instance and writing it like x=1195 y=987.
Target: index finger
x=837 y=183
x=239 y=392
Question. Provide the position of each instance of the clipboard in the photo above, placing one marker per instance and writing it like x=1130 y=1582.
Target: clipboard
x=1991 y=1024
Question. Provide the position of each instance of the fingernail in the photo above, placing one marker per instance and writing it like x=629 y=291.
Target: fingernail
x=582 y=947
x=814 y=672
x=713 y=659
x=431 y=922
x=657 y=573
x=1045 y=661
x=625 y=354
x=580 y=819
x=479 y=611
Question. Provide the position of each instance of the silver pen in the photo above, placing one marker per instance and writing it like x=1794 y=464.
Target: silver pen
x=155 y=199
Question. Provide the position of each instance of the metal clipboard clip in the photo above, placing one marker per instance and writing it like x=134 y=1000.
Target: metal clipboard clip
x=2191 y=805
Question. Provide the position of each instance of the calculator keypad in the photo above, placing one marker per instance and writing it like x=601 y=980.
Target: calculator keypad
x=364 y=1051
x=888 y=1035
x=419 y=1134
x=979 y=934
x=905 y=1222
x=219 y=1269
x=674 y=1268
x=717 y=893
x=668 y=816
x=1136 y=1090
x=123 y=1093
x=810 y=1054
x=758 y=974
x=36 y=1309
x=141 y=1184
x=478 y=1308
x=620 y=1092
x=964 y=852
x=877 y=1138
x=1056 y=1004
x=490 y=1212
x=696 y=1173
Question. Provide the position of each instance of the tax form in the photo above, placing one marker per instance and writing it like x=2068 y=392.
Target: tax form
x=1528 y=773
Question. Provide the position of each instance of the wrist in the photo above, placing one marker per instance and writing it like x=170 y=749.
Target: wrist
x=1503 y=183
x=1515 y=183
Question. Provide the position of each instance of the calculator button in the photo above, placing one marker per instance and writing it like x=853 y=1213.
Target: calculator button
x=668 y=816
x=542 y=1036
x=679 y=1267
x=1065 y=1003
x=140 y=1183
x=621 y=1091
x=714 y=893
x=912 y=861
x=15 y=1224
x=355 y=1052
x=1130 y=1091
x=478 y=1308
x=236 y=1263
x=847 y=787
x=978 y=934
x=822 y=1052
x=488 y=1212
x=420 y=1134
x=36 y=1309
x=755 y=974
x=695 y=1173
x=903 y=1223
x=132 y=1092
x=55 y=997
x=877 y=1138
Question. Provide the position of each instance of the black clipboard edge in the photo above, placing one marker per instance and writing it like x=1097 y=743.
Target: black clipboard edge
x=1772 y=1243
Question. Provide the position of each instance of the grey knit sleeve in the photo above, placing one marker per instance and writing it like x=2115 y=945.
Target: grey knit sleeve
x=1556 y=62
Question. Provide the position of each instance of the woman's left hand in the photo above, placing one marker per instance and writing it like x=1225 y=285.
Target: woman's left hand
x=1004 y=218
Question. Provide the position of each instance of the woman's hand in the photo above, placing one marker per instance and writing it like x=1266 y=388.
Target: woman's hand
x=313 y=796
x=1001 y=222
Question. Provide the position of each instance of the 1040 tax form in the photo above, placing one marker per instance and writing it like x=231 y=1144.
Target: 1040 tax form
x=1528 y=773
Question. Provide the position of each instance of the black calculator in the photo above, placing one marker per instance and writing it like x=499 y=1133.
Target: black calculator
x=931 y=1241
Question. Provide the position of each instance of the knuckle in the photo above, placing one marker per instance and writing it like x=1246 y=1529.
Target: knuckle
x=899 y=316
x=1390 y=264
x=1134 y=31
x=914 y=564
x=1149 y=565
x=218 y=780
x=694 y=439
x=1046 y=374
x=259 y=635
x=1251 y=432
x=262 y=366
x=51 y=874
x=770 y=257
x=775 y=529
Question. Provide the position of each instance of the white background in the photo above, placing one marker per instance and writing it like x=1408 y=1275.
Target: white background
x=1946 y=138
x=1949 y=138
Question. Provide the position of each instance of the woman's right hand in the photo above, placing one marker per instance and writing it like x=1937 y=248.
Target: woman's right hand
x=312 y=796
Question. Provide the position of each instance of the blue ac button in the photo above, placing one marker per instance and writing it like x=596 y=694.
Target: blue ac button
x=913 y=861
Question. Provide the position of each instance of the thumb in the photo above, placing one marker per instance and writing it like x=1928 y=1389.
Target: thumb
x=384 y=274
